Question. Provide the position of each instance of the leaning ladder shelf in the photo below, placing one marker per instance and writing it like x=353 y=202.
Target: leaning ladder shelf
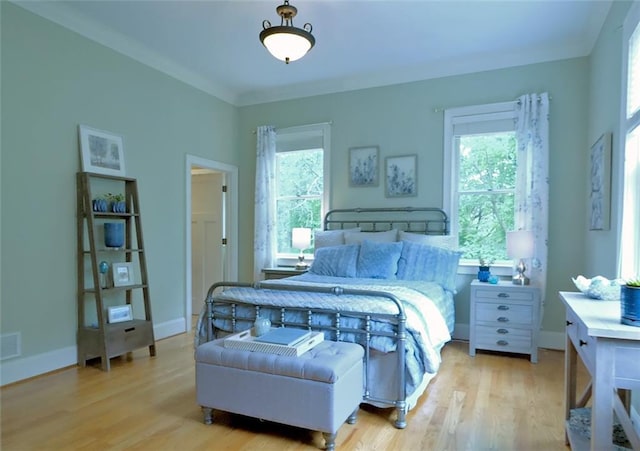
x=99 y=337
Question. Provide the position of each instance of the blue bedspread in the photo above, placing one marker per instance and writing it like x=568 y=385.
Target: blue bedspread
x=424 y=304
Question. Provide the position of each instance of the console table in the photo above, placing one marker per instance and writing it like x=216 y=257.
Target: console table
x=611 y=353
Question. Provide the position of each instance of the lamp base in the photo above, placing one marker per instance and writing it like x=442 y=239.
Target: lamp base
x=302 y=266
x=520 y=279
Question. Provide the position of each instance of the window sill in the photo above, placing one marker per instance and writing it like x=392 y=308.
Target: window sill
x=497 y=270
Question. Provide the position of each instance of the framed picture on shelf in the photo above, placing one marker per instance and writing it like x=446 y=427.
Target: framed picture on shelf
x=600 y=184
x=122 y=274
x=101 y=152
x=363 y=166
x=401 y=179
x=119 y=313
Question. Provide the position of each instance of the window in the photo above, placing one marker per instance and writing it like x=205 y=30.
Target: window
x=480 y=155
x=302 y=158
x=629 y=262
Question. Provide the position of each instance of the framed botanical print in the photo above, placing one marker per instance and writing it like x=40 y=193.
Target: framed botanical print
x=363 y=166
x=600 y=184
x=401 y=179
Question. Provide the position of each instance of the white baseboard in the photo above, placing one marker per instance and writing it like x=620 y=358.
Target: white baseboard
x=14 y=370
x=547 y=340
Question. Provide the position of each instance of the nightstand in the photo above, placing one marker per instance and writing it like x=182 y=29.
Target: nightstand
x=281 y=272
x=504 y=317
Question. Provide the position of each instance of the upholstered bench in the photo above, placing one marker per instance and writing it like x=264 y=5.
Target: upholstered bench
x=318 y=390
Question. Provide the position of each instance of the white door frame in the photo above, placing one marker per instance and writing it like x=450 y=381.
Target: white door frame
x=231 y=176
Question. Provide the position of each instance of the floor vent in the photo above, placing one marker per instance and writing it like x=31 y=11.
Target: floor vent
x=10 y=345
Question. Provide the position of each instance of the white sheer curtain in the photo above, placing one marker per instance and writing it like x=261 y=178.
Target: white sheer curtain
x=264 y=239
x=532 y=192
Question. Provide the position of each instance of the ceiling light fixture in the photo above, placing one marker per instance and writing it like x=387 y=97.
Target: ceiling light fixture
x=284 y=41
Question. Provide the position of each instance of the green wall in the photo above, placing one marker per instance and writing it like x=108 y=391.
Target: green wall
x=53 y=80
x=401 y=119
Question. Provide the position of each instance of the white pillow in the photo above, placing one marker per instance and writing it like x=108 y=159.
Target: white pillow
x=449 y=242
x=327 y=238
x=388 y=236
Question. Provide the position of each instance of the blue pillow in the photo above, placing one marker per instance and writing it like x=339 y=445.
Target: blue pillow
x=337 y=261
x=378 y=260
x=429 y=263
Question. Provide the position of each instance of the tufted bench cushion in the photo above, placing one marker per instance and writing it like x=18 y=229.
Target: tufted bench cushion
x=318 y=390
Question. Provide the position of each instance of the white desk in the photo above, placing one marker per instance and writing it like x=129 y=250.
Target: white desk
x=611 y=353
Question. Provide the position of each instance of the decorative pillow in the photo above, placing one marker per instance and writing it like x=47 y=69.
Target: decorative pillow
x=388 y=236
x=378 y=260
x=337 y=261
x=326 y=238
x=446 y=241
x=430 y=263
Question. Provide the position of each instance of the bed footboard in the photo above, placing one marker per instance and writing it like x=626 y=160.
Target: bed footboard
x=240 y=315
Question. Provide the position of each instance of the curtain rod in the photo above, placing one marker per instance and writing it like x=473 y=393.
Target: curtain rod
x=515 y=102
x=303 y=125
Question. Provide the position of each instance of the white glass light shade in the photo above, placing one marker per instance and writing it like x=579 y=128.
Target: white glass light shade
x=286 y=43
x=300 y=238
x=520 y=244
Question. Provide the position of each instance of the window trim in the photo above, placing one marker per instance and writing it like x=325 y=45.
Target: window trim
x=462 y=115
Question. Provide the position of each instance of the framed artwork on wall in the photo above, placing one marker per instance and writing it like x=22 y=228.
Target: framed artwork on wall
x=101 y=152
x=363 y=166
x=600 y=184
x=401 y=179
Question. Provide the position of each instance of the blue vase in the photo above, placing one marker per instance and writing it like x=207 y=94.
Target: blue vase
x=630 y=305
x=484 y=273
x=114 y=234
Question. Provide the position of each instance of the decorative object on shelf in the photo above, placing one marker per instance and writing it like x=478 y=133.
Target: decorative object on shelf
x=286 y=42
x=520 y=246
x=122 y=274
x=600 y=197
x=401 y=179
x=119 y=313
x=102 y=152
x=599 y=287
x=494 y=280
x=117 y=203
x=114 y=234
x=484 y=270
x=630 y=302
x=100 y=204
x=301 y=239
x=363 y=166
x=261 y=326
x=103 y=268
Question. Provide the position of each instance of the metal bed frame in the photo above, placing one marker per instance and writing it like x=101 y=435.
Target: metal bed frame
x=419 y=220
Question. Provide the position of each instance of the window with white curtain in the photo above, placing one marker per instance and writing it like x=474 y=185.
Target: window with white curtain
x=302 y=159
x=480 y=155
x=629 y=260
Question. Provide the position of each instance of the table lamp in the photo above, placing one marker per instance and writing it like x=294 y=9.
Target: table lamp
x=301 y=239
x=520 y=246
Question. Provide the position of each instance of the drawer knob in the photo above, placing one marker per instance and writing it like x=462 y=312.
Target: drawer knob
x=503 y=295
x=502 y=343
x=569 y=323
x=503 y=319
x=503 y=307
x=502 y=331
x=583 y=343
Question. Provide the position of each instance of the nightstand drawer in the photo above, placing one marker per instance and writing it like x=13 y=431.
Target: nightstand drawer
x=503 y=339
x=505 y=294
x=504 y=313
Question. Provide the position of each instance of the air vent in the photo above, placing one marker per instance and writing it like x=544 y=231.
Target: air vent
x=10 y=345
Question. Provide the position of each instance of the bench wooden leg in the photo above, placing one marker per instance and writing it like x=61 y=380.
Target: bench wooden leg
x=207 y=412
x=330 y=441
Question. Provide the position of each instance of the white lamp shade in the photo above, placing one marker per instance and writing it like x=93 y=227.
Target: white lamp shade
x=300 y=238
x=286 y=45
x=520 y=244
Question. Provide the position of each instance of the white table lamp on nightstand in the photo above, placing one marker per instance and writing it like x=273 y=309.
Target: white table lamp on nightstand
x=301 y=239
x=520 y=245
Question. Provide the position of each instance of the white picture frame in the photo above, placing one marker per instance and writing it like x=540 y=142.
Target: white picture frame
x=122 y=274
x=119 y=313
x=363 y=166
x=101 y=152
x=401 y=178
x=600 y=184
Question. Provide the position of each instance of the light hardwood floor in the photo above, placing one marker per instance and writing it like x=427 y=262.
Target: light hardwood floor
x=487 y=402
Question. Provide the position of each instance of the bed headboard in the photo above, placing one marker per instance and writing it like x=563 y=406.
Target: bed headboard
x=426 y=220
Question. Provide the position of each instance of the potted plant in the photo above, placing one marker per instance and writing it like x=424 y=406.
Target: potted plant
x=100 y=203
x=118 y=204
x=630 y=302
x=484 y=270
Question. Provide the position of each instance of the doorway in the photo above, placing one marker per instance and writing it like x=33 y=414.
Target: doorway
x=211 y=230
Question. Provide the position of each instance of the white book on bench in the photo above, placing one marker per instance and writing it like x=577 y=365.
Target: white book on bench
x=284 y=336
